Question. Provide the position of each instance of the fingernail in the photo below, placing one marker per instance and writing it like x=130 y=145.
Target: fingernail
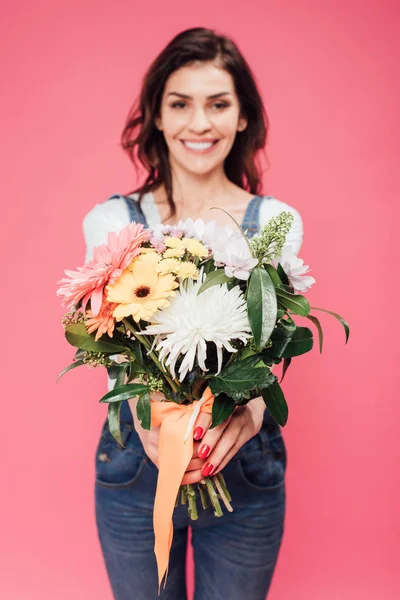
x=206 y=470
x=204 y=451
x=198 y=433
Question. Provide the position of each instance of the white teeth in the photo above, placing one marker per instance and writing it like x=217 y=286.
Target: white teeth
x=198 y=145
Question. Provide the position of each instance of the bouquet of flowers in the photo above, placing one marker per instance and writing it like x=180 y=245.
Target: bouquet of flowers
x=200 y=314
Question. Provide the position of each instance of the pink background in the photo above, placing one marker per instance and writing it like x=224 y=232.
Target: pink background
x=327 y=72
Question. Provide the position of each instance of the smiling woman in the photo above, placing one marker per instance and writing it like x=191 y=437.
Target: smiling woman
x=197 y=129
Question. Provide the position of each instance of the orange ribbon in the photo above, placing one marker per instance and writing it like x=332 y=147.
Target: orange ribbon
x=174 y=455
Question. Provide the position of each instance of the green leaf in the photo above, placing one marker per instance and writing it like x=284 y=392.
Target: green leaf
x=276 y=403
x=143 y=410
x=286 y=364
x=77 y=336
x=287 y=344
x=273 y=273
x=79 y=354
x=114 y=369
x=294 y=302
x=124 y=392
x=208 y=265
x=240 y=376
x=114 y=410
x=77 y=363
x=319 y=328
x=343 y=322
x=282 y=274
x=288 y=323
x=247 y=351
x=214 y=278
x=261 y=306
x=136 y=369
x=222 y=408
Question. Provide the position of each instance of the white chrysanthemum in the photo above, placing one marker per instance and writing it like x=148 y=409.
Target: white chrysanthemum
x=295 y=269
x=217 y=315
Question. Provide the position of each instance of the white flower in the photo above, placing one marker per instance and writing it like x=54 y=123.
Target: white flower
x=217 y=315
x=235 y=254
x=294 y=269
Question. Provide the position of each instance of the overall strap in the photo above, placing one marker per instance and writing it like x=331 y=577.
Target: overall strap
x=251 y=220
x=135 y=212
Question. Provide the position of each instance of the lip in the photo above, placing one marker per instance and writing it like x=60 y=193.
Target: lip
x=205 y=151
x=202 y=141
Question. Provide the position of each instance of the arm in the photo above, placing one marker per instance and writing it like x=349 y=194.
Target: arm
x=110 y=215
x=222 y=443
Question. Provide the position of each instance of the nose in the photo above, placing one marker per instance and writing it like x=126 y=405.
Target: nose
x=199 y=121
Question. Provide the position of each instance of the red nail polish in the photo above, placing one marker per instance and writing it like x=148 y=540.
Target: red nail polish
x=198 y=433
x=206 y=470
x=204 y=451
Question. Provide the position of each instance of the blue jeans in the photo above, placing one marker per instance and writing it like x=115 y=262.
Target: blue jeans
x=235 y=555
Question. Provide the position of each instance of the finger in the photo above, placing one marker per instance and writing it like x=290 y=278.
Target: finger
x=192 y=477
x=201 y=425
x=195 y=463
x=196 y=446
x=242 y=439
x=211 y=438
x=230 y=441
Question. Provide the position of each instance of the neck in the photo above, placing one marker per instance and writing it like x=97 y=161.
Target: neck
x=200 y=190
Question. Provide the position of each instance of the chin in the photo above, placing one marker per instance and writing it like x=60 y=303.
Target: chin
x=204 y=170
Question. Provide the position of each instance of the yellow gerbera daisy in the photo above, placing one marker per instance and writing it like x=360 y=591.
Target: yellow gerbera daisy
x=141 y=290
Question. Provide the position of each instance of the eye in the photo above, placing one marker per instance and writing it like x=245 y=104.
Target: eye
x=177 y=104
x=221 y=105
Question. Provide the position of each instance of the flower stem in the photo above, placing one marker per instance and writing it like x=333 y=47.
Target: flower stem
x=183 y=494
x=147 y=345
x=192 y=506
x=213 y=497
x=222 y=493
x=223 y=485
x=203 y=495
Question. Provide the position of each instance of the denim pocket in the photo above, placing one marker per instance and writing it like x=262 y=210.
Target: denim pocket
x=119 y=467
x=264 y=469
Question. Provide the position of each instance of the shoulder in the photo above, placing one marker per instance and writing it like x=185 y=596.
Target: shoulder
x=271 y=207
x=113 y=212
x=110 y=215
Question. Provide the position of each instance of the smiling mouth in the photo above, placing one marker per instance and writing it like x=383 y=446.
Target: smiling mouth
x=199 y=146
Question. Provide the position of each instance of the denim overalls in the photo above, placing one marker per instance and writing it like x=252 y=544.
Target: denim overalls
x=234 y=555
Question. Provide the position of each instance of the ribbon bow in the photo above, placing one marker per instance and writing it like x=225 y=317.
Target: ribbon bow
x=175 y=450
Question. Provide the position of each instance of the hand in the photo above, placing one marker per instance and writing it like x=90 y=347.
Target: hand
x=220 y=444
x=150 y=438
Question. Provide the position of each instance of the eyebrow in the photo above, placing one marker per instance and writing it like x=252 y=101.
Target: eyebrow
x=190 y=97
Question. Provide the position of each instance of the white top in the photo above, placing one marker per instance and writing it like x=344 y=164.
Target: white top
x=113 y=215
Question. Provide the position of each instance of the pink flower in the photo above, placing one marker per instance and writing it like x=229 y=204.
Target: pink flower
x=295 y=270
x=158 y=244
x=108 y=262
x=103 y=322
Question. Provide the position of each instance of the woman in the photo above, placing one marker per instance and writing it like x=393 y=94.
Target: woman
x=197 y=129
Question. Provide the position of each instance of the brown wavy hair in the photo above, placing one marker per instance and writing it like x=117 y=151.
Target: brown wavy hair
x=140 y=134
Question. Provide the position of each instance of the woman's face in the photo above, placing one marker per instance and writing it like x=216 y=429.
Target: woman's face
x=200 y=117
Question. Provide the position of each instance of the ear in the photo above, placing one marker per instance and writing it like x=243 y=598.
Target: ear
x=157 y=123
x=242 y=124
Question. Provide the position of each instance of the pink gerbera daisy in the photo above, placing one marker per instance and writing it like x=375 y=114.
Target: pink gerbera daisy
x=108 y=262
